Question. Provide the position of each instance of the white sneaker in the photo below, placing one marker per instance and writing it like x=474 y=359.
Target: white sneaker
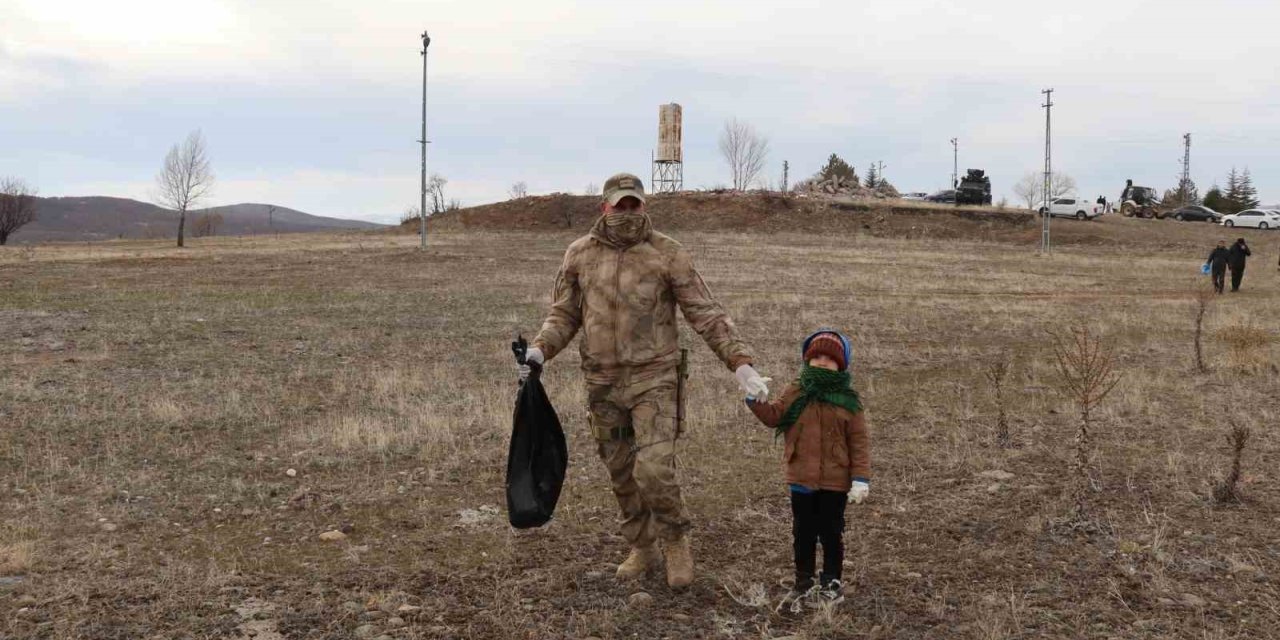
x=830 y=594
x=797 y=597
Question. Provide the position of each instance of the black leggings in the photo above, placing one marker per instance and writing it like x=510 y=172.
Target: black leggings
x=1236 y=276
x=818 y=516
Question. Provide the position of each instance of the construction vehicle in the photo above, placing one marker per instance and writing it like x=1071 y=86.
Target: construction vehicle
x=974 y=188
x=1141 y=202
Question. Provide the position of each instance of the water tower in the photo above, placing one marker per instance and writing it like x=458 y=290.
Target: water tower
x=668 y=161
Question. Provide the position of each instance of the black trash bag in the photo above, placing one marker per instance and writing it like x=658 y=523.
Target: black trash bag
x=538 y=456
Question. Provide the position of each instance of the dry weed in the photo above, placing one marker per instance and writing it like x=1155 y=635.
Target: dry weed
x=996 y=372
x=1248 y=345
x=16 y=557
x=1228 y=489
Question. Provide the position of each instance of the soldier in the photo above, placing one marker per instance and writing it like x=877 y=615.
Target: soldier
x=620 y=285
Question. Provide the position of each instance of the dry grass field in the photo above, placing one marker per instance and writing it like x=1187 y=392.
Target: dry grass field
x=154 y=400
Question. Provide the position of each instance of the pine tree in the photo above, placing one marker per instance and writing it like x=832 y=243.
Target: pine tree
x=1248 y=196
x=1186 y=193
x=1231 y=197
x=838 y=168
x=1214 y=199
x=873 y=176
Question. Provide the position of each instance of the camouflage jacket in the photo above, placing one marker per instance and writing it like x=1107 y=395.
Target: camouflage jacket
x=624 y=298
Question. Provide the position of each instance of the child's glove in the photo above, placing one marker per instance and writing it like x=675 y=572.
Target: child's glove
x=755 y=386
x=858 y=492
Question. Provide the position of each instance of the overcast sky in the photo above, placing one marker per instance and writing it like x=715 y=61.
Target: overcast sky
x=316 y=106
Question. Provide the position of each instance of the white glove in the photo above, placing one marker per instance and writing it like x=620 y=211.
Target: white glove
x=858 y=492
x=534 y=355
x=756 y=387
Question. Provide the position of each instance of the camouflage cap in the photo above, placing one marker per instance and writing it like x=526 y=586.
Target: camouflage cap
x=622 y=185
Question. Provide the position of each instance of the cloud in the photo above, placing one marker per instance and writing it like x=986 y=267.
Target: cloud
x=317 y=106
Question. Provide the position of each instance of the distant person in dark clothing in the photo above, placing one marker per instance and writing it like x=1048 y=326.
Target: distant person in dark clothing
x=1218 y=264
x=1236 y=257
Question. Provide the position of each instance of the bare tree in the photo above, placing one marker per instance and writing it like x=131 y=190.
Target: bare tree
x=1204 y=298
x=206 y=224
x=1030 y=188
x=17 y=206
x=1060 y=184
x=271 y=218
x=518 y=190
x=592 y=189
x=435 y=189
x=186 y=178
x=745 y=151
x=1087 y=368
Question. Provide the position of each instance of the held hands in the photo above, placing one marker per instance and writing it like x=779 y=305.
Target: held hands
x=752 y=384
x=858 y=492
x=533 y=355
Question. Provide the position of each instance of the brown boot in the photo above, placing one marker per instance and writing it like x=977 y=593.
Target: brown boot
x=640 y=562
x=679 y=562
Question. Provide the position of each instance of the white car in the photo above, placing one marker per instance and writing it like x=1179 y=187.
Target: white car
x=1072 y=207
x=1253 y=218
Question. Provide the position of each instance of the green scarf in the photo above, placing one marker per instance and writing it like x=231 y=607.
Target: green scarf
x=823 y=385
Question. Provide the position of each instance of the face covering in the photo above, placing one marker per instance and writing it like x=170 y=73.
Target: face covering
x=625 y=227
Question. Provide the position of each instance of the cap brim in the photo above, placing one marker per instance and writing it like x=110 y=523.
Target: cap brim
x=617 y=196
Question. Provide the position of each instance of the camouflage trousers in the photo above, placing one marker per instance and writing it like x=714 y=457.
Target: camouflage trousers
x=634 y=424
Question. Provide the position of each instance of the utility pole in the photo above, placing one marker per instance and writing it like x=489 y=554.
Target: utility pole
x=955 y=161
x=422 y=206
x=1048 y=171
x=1183 y=185
x=880 y=173
x=786 y=169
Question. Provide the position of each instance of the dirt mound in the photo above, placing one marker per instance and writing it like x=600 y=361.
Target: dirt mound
x=770 y=213
x=744 y=213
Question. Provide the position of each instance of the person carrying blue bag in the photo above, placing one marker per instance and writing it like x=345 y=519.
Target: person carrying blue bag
x=1217 y=265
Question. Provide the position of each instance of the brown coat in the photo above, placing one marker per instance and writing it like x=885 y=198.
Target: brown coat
x=624 y=299
x=826 y=448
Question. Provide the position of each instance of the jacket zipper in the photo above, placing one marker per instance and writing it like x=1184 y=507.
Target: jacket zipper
x=617 y=294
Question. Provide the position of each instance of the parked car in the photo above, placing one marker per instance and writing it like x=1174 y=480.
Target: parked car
x=947 y=196
x=1071 y=207
x=1197 y=213
x=1253 y=218
x=915 y=195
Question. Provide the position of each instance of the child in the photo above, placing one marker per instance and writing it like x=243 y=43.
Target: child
x=826 y=458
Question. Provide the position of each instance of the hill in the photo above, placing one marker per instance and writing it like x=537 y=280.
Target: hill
x=104 y=218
